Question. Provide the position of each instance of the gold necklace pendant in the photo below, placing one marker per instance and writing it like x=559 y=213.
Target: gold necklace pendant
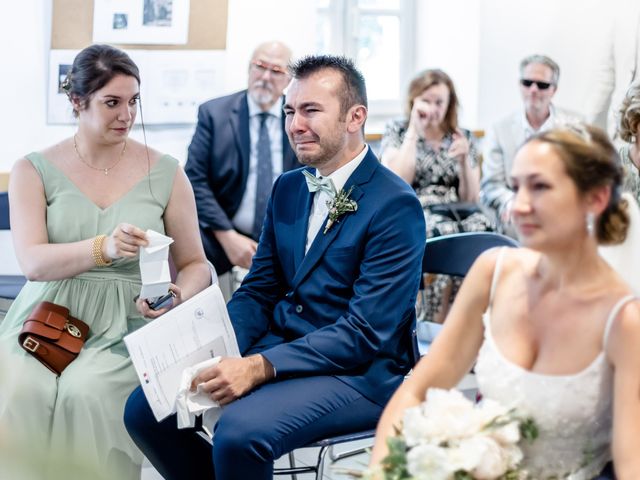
x=103 y=170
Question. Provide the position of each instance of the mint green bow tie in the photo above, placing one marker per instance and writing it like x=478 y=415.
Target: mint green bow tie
x=315 y=184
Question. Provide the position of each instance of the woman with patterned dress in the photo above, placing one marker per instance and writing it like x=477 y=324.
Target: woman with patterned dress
x=629 y=131
x=440 y=160
x=554 y=329
x=79 y=211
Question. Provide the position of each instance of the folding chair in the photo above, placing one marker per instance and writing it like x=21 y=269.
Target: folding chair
x=452 y=255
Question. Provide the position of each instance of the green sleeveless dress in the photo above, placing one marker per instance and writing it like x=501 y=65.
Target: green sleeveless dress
x=78 y=416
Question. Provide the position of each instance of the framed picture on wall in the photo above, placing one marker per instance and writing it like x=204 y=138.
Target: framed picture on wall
x=141 y=22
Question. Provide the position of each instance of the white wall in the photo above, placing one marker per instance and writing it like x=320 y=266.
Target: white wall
x=25 y=31
x=478 y=42
x=447 y=37
x=568 y=31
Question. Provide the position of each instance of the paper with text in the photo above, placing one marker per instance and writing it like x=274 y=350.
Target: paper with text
x=194 y=331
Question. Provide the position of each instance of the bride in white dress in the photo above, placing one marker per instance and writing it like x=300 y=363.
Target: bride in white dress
x=552 y=326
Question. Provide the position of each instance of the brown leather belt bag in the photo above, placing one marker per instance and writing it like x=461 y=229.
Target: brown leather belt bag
x=53 y=336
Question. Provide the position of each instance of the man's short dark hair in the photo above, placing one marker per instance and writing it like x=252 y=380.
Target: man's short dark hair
x=354 y=91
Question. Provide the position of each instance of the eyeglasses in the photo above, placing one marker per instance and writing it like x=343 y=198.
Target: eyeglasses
x=262 y=67
x=541 y=85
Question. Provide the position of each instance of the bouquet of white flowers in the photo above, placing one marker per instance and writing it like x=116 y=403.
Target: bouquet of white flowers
x=449 y=437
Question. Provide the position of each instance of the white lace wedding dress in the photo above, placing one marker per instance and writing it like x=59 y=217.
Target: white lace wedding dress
x=573 y=412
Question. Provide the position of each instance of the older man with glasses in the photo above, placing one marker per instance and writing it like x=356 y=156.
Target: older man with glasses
x=237 y=151
x=538 y=83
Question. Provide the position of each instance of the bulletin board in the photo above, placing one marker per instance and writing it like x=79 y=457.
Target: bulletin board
x=72 y=26
x=184 y=75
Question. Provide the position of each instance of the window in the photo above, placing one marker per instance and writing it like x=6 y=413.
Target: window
x=379 y=35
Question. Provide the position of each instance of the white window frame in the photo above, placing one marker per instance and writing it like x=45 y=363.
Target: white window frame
x=344 y=18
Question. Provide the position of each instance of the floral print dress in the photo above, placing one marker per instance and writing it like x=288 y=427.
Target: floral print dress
x=436 y=182
x=631 y=182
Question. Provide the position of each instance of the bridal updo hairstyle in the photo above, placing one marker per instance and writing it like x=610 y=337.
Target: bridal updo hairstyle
x=591 y=161
x=92 y=69
x=630 y=114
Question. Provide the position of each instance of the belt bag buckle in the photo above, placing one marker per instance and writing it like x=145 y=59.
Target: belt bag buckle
x=31 y=344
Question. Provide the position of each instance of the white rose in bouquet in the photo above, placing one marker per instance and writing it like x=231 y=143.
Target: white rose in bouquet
x=428 y=462
x=508 y=434
x=465 y=455
x=494 y=461
x=445 y=415
x=449 y=437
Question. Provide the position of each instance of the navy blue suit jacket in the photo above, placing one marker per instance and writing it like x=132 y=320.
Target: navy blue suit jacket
x=347 y=307
x=218 y=166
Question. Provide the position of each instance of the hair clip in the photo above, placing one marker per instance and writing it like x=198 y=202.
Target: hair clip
x=66 y=83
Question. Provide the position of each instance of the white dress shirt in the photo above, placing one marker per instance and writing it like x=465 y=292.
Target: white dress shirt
x=503 y=140
x=548 y=124
x=319 y=208
x=243 y=219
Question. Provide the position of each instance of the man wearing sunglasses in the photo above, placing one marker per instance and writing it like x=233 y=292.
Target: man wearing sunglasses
x=237 y=151
x=538 y=83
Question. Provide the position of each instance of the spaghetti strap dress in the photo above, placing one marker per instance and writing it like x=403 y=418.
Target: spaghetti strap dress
x=573 y=412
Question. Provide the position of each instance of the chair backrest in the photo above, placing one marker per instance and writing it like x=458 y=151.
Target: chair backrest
x=8 y=261
x=454 y=254
x=11 y=279
x=451 y=255
x=4 y=211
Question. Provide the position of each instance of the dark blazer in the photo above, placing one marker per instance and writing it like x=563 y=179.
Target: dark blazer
x=347 y=307
x=218 y=166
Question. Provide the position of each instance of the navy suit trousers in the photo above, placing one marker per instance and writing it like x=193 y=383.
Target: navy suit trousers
x=253 y=431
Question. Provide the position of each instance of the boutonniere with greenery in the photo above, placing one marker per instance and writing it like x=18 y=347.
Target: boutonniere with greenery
x=338 y=206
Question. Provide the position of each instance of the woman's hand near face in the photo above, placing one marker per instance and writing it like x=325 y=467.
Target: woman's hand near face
x=124 y=241
x=423 y=116
x=459 y=148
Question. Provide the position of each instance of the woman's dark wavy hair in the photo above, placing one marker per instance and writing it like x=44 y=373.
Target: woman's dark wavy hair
x=591 y=161
x=92 y=69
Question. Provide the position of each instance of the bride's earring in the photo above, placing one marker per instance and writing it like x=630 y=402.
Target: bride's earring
x=590 y=220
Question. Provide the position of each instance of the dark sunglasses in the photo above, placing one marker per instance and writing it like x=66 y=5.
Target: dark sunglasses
x=541 y=85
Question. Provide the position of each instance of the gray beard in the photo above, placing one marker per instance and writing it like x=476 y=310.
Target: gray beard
x=261 y=98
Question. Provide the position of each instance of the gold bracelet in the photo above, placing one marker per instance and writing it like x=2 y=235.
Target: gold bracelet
x=96 y=251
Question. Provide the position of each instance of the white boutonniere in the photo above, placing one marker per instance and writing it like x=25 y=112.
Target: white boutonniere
x=338 y=206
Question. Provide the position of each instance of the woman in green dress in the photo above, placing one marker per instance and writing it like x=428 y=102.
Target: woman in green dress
x=79 y=212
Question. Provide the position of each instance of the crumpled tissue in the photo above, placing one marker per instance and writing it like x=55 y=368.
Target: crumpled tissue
x=190 y=404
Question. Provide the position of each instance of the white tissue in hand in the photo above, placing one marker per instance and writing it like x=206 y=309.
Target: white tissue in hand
x=154 y=265
x=189 y=404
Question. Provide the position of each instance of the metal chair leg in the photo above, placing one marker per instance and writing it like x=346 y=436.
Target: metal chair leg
x=321 y=457
x=292 y=464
